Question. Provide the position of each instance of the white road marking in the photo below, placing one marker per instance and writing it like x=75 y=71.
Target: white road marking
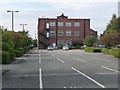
x=106 y=73
x=39 y=57
x=40 y=79
x=60 y=74
x=88 y=77
x=64 y=87
x=103 y=59
x=39 y=60
x=60 y=60
x=80 y=59
x=110 y=69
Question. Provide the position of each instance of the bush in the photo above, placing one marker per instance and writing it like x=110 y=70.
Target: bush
x=92 y=49
x=5 y=57
x=18 y=53
x=12 y=55
x=96 y=49
x=113 y=51
x=116 y=52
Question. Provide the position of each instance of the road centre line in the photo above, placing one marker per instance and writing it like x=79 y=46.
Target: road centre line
x=60 y=60
x=40 y=79
x=110 y=69
x=88 y=77
x=39 y=60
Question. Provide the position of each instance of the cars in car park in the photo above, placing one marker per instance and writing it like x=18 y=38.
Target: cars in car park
x=55 y=48
x=50 y=48
x=65 y=48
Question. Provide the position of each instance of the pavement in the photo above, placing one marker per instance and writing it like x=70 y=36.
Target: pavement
x=73 y=69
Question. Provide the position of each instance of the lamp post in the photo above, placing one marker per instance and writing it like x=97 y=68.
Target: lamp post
x=23 y=26
x=12 y=18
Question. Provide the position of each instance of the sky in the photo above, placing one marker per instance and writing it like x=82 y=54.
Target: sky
x=99 y=12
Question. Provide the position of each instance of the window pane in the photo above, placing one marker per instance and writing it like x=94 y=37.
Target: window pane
x=60 y=33
x=52 y=23
x=60 y=23
x=77 y=33
x=68 y=23
x=76 y=24
x=60 y=42
x=68 y=33
x=52 y=33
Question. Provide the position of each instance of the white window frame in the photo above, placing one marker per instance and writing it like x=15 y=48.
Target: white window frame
x=52 y=23
x=68 y=33
x=77 y=33
x=68 y=24
x=60 y=33
x=60 y=23
x=76 y=24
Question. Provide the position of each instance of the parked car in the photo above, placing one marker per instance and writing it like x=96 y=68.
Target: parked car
x=55 y=48
x=65 y=48
x=50 y=48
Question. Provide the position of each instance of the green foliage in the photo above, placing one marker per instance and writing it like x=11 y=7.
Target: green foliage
x=111 y=39
x=89 y=41
x=92 y=49
x=113 y=51
x=18 y=53
x=15 y=43
x=5 y=57
x=113 y=25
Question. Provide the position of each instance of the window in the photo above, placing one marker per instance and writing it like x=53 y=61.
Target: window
x=68 y=42
x=68 y=33
x=68 y=23
x=52 y=33
x=60 y=33
x=77 y=33
x=60 y=23
x=76 y=24
x=60 y=42
x=52 y=23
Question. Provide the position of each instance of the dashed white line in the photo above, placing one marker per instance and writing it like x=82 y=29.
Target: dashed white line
x=39 y=60
x=80 y=60
x=88 y=77
x=103 y=59
x=110 y=69
x=60 y=60
x=40 y=79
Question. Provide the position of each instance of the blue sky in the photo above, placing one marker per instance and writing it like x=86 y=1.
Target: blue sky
x=99 y=12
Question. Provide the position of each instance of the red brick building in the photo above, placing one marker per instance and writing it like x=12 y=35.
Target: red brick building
x=62 y=30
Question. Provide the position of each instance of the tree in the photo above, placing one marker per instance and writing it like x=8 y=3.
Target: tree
x=111 y=36
x=114 y=25
x=111 y=39
x=89 y=41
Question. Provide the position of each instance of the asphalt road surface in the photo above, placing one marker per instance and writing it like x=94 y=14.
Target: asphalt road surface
x=62 y=69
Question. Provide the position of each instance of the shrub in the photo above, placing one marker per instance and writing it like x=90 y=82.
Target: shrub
x=5 y=57
x=116 y=52
x=92 y=49
x=18 y=53
x=96 y=49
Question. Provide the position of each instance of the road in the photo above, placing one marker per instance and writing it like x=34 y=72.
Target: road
x=62 y=69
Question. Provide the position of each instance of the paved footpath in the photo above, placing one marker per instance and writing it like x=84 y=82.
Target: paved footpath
x=62 y=69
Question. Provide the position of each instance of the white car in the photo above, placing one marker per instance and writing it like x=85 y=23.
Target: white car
x=65 y=48
x=50 y=48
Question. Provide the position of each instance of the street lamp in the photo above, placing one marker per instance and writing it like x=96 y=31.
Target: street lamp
x=23 y=26
x=12 y=18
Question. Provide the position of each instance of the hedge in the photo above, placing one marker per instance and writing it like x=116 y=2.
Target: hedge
x=92 y=49
x=5 y=57
x=113 y=51
x=18 y=53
